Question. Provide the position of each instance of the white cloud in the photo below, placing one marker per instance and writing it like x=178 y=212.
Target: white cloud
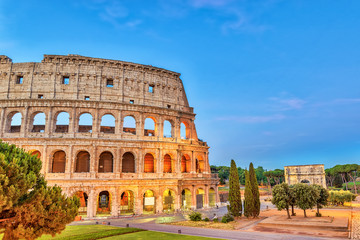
x=285 y=104
x=206 y=3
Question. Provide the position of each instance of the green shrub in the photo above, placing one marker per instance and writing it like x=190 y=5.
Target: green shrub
x=227 y=218
x=340 y=197
x=216 y=220
x=206 y=219
x=195 y=216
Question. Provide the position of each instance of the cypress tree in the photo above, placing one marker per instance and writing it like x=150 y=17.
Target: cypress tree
x=235 y=207
x=248 y=201
x=254 y=191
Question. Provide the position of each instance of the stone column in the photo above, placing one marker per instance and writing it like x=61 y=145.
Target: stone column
x=69 y=162
x=96 y=124
x=93 y=161
x=193 y=162
x=25 y=128
x=160 y=162
x=159 y=202
x=2 y=122
x=91 y=207
x=206 y=198
x=48 y=123
x=114 y=202
x=138 y=202
x=73 y=120
x=193 y=197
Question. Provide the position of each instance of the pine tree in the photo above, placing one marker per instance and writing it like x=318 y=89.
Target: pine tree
x=235 y=207
x=28 y=207
x=254 y=191
x=248 y=201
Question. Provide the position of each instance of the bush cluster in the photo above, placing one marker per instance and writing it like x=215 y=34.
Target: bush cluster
x=195 y=216
x=340 y=197
x=227 y=218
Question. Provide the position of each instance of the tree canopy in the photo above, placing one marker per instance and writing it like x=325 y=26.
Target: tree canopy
x=235 y=207
x=28 y=207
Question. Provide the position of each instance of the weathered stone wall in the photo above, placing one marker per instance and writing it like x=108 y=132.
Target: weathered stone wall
x=156 y=93
x=314 y=174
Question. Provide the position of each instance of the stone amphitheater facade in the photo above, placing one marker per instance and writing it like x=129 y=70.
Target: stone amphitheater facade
x=115 y=169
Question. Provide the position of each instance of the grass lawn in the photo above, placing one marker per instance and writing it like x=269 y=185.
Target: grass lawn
x=155 y=235
x=87 y=232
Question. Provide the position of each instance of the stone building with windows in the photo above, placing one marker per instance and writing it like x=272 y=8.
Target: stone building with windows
x=119 y=135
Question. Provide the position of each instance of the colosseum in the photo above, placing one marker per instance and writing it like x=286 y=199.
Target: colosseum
x=119 y=135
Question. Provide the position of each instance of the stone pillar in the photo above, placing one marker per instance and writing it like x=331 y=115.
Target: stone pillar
x=159 y=202
x=96 y=124
x=193 y=162
x=159 y=161
x=114 y=202
x=93 y=161
x=120 y=124
x=2 y=122
x=138 y=202
x=193 y=197
x=217 y=197
x=206 y=198
x=48 y=123
x=69 y=162
x=91 y=207
x=25 y=128
x=160 y=129
x=73 y=120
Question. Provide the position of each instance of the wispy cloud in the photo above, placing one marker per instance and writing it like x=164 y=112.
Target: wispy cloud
x=286 y=104
x=253 y=119
x=347 y=100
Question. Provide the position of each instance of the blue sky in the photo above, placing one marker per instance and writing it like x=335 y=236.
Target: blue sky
x=272 y=82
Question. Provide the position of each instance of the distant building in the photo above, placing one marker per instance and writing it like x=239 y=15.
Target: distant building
x=312 y=174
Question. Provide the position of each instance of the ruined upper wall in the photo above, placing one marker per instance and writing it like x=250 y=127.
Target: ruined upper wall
x=92 y=79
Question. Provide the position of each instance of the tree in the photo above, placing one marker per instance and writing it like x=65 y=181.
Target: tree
x=330 y=176
x=254 y=191
x=248 y=201
x=282 y=197
x=305 y=196
x=340 y=169
x=292 y=200
x=351 y=171
x=322 y=200
x=235 y=207
x=268 y=176
x=28 y=207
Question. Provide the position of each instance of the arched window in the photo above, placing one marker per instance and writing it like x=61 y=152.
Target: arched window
x=129 y=125
x=82 y=162
x=149 y=127
x=104 y=203
x=128 y=163
x=167 y=164
x=36 y=153
x=168 y=200
x=85 y=123
x=39 y=122
x=127 y=202
x=14 y=119
x=200 y=198
x=212 y=197
x=59 y=162
x=183 y=131
x=149 y=163
x=107 y=124
x=200 y=164
x=62 y=122
x=185 y=164
x=167 y=129
x=106 y=162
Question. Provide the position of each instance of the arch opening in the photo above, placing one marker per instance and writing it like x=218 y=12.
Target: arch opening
x=149 y=165
x=149 y=127
x=36 y=153
x=127 y=202
x=212 y=197
x=104 y=203
x=200 y=164
x=200 y=198
x=85 y=123
x=168 y=129
x=149 y=202
x=38 y=124
x=128 y=163
x=59 y=162
x=105 y=162
x=186 y=199
x=14 y=119
x=305 y=181
x=168 y=200
x=168 y=164
x=185 y=164
x=83 y=202
x=107 y=124
x=62 y=122
x=129 y=125
x=82 y=162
